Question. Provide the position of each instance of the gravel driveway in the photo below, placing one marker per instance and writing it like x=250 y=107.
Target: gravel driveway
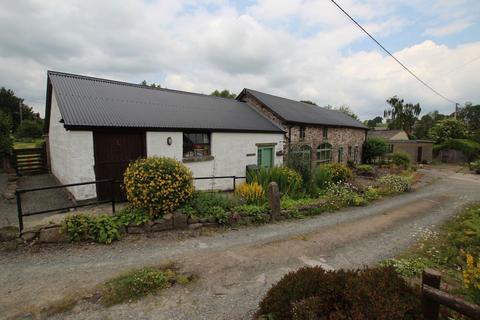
x=235 y=267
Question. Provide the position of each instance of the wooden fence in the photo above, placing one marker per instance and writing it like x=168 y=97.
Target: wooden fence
x=30 y=161
x=433 y=297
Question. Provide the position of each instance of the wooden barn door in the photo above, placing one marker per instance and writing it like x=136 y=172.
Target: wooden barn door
x=113 y=152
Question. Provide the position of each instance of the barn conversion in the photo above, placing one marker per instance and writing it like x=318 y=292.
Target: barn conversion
x=96 y=127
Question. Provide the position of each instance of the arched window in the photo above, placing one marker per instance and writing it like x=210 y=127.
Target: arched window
x=324 y=153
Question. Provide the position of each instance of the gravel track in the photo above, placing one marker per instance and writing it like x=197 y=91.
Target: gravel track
x=235 y=267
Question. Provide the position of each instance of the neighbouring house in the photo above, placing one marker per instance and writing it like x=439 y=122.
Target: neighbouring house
x=96 y=127
x=419 y=151
x=318 y=134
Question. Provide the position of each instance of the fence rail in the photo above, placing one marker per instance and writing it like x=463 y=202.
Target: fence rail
x=433 y=297
x=30 y=160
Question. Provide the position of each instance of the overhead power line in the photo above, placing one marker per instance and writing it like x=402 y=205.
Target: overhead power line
x=391 y=55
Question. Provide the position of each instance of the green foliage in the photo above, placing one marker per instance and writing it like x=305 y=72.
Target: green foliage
x=447 y=129
x=371 y=194
x=464 y=232
x=364 y=169
x=224 y=94
x=407 y=267
x=134 y=285
x=339 y=195
x=203 y=204
x=313 y=293
x=373 y=122
x=158 y=184
x=131 y=215
x=10 y=105
x=401 y=115
x=470 y=115
x=77 y=226
x=470 y=149
x=289 y=203
x=104 y=229
x=219 y=213
x=258 y=212
x=299 y=159
x=475 y=166
x=29 y=129
x=373 y=148
x=5 y=138
x=152 y=85
x=348 y=111
x=288 y=180
x=392 y=183
x=333 y=172
x=401 y=158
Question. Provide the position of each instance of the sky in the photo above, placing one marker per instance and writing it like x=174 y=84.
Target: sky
x=303 y=50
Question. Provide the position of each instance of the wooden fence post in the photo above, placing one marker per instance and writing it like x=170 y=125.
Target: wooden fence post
x=430 y=308
x=274 y=200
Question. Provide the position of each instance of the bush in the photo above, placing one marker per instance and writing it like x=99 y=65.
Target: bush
x=339 y=195
x=30 y=129
x=334 y=172
x=289 y=181
x=475 y=166
x=373 y=148
x=102 y=229
x=371 y=194
x=250 y=193
x=392 y=183
x=205 y=204
x=401 y=159
x=313 y=293
x=5 y=138
x=297 y=161
x=470 y=149
x=364 y=169
x=447 y=129
x=471 y=278
x=158 y=184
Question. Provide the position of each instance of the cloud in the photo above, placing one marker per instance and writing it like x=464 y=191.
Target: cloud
x=448 y=29
x=300 y=49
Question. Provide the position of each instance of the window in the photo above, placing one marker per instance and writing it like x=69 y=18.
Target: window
x=390 y=148
x=196 y=145
x=349 y=152
x=302 y=133
x=340 y=154
x=325 y=133
x=324 y=152
x=355 y=154
x=265 y=157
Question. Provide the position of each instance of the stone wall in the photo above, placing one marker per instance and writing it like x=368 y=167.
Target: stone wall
x=265 y=111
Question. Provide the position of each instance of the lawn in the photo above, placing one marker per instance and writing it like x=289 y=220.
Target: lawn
x=24 y=144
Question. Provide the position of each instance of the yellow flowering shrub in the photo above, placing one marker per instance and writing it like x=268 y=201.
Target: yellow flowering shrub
x=250 y=192
x=158 y=184
x=471 y=278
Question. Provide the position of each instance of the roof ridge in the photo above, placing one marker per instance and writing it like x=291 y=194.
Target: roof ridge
x=137 y=85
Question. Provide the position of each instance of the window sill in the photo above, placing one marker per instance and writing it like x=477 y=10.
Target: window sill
x=198 y=159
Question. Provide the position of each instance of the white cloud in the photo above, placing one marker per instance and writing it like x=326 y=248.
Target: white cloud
x=208 y=45
x=448 y=29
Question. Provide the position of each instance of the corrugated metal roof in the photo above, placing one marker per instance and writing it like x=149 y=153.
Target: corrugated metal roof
x=295 y=111
x=94 y=102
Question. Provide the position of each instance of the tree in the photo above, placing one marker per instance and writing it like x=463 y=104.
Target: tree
x=309 y=102
x=421 y=128
x=152 y=85
x=224 y=94
x=470 y=115
x=448 y=129
x=5 y=133
x=10 y=104
x=373 y=122
x=373 y=148
x=400 y=115
x=346 y=109
x=30 y=129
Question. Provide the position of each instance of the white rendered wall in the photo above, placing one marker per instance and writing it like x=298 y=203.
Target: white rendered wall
x=232 y=152
x=71 y=155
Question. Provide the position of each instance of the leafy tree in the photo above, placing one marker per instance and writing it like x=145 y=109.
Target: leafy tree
x=401 y=115
x=311 y=102
x=373 y=148
x=151 y=85
x=346 y=109
x=421 y=128
x=5 y=130
x=224 y=94
x=470 y=115
x=30 y=129
x=447 y=129
x=10 y=104
x=373 y=122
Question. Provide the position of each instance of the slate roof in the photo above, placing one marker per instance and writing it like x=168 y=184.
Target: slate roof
x=87 y=102
x=300 y=112
x=386 y=134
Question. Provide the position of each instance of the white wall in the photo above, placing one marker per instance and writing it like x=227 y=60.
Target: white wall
x=71 y=155
x=228 y=149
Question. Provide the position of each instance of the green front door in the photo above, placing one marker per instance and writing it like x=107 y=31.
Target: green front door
x=265 y=157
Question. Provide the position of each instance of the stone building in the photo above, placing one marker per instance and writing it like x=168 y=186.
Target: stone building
x=319 y=134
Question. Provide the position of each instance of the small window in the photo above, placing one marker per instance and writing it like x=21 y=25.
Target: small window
x=196 y=145
x=390 y=148
x=324 y=153
x=340 y=155
x=349 y=152
x=325 y=133
x=302 y=133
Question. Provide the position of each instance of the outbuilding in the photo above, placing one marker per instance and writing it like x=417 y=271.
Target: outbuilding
x=96 y=127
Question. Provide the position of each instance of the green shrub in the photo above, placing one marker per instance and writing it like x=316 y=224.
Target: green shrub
x=131 y=215
x=219 y=214
x=201 y=204
x=407 y=267
x=333 y=172
x=475 y=166
x=5 y=137
x=250 y=193
x=373 y=148
x=313 y=293
x=470 y=149
x=401 y=158
x=77 y=227
x=339 y=196
x=289 y=181
x=102 y=229
x=158 y=184
x=289 y=203
x=371 y=194
x=32 y=129
x=447 y=129
x=392 y=183
x=258 y=212
x=296 y=160
x=364 y=169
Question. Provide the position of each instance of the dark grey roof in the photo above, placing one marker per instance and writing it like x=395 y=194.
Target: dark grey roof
x=295 y=111
x=386 y=134
x=86 y=102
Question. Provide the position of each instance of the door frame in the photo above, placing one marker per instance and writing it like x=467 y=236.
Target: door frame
x=260 y=150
